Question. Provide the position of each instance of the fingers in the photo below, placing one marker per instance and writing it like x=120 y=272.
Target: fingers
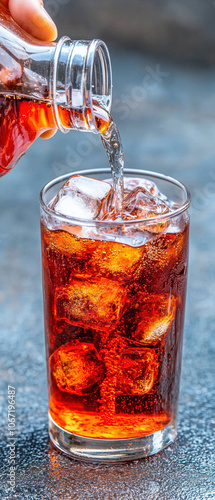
x=48 y=134
x=33 y=18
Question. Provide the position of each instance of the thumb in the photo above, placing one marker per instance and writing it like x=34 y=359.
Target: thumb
x=33 y=18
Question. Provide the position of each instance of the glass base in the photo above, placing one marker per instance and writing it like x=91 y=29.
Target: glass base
x=110 y=450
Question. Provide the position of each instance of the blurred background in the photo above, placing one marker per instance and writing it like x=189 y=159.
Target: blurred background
x=182 y=30
x=163 y=60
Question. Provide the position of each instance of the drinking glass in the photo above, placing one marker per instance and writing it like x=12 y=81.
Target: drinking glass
x=114 y=300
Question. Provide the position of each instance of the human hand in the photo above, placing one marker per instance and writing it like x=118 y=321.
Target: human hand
x=33 y=18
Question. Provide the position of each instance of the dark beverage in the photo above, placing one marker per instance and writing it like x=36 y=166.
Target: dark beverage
x=114 y=320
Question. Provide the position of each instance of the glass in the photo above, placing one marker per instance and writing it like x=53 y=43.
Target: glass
x=47 y=86
x=114 y=315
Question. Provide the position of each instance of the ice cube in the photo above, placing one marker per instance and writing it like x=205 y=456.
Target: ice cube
x=68 y=253
x=116 y=259
x=131 y=183
x=63 y=242
x=83 y=197
x=140 y=204
x=77 y=368
x=156 y=314
x=97 y=303
x=137 y=372
x=163 y=255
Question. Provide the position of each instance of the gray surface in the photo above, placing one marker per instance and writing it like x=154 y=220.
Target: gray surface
x=171 y=130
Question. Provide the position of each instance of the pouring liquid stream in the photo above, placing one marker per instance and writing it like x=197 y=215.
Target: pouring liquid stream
x=113 y=146
x=112 y=143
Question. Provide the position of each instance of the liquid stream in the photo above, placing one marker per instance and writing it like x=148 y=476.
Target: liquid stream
x=113 y=145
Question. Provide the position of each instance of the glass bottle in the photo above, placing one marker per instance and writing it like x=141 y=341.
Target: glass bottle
x=65 y=85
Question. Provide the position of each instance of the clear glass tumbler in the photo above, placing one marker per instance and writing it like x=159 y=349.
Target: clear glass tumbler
x=114 y=300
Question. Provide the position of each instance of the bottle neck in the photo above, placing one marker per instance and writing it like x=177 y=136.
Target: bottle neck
x=81 y=81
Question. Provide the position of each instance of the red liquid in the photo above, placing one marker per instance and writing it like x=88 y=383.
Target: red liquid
x=23 y=120
x=114 y=321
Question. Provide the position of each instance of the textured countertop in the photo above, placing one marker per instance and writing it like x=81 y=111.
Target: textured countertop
x=167 y=124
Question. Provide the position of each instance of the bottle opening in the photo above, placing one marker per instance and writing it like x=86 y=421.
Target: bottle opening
x=98 y=82
x=101 y=77
x=82 y=82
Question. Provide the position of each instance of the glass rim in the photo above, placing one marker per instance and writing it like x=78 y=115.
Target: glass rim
x=151 y=220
